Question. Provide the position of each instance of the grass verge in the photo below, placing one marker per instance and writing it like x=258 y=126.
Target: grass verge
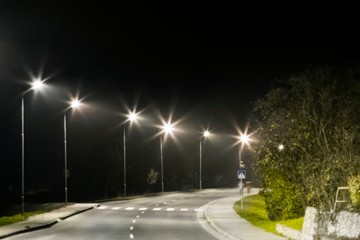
x=254 y=211
x=17 y=218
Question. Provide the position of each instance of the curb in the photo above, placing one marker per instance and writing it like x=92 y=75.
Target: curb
x=214 y=226
x=30 y=229
x=46 y=225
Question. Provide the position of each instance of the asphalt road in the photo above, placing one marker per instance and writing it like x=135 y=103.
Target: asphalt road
x=169 y=216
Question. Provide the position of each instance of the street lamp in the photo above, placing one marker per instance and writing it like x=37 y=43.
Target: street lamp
x=167 y=128
x=36 y=85
x=74 y=105
x=243 y=139
x=131 y=117
x=205 y=135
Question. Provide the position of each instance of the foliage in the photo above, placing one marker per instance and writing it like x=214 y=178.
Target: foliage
x=152 y=176
x=254 y=211
x=282 y=201
x=354 y=189
x=315 y=116
x=6 y=220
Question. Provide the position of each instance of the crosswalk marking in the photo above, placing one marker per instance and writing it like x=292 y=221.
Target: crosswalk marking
x=143 y=209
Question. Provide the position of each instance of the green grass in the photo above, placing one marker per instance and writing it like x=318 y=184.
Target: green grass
x=17 y=218
x=254 y=211
x=296 y=223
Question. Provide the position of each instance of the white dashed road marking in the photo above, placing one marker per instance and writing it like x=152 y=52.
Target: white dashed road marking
x=143 y=209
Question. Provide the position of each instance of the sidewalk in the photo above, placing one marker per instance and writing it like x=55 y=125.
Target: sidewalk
x=220 y=219
x=44 y=220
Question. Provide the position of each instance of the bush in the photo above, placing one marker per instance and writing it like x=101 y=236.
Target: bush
x=354 y=189
x=282 y=201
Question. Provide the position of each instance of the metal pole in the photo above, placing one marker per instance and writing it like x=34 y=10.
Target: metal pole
x=240 y=156
x=124 y=141
x=161 y=160
x=241 y=165
x=241 y=200
x=65 y=161
x=242 y=193
x=200 y=175
x=22 y=158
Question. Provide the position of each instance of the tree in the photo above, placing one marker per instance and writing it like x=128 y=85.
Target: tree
x=152 y=176
x=315 y=116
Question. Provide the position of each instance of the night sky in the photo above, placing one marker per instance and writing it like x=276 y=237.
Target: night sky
x=203 y=64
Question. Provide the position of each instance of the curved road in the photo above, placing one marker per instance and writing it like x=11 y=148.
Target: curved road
x=170 y=216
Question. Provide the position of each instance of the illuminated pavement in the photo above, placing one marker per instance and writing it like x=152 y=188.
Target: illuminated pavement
x=201 y=215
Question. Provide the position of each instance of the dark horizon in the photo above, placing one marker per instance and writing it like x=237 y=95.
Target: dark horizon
x=205 y=64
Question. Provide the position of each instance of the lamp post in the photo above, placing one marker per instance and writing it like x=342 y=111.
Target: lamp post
x=37 y=84
x=161 y=163
x=243 y=139
x=167 y=128
x=74 y=105
x=131 y=117
x=205 y=135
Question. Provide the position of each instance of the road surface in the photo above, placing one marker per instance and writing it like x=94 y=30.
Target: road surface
x=168 y=216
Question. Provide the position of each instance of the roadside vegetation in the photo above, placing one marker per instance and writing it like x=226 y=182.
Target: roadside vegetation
x=307 y=141
x=17 y=218
x=254 y=211
x=11 y=214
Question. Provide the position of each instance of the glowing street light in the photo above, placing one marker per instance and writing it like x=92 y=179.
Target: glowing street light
x=37 y=84
x=75 y=103
x=281 y=147
x=167 y=128
x=243 y=139
x=131 y=117
x=204 y=136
